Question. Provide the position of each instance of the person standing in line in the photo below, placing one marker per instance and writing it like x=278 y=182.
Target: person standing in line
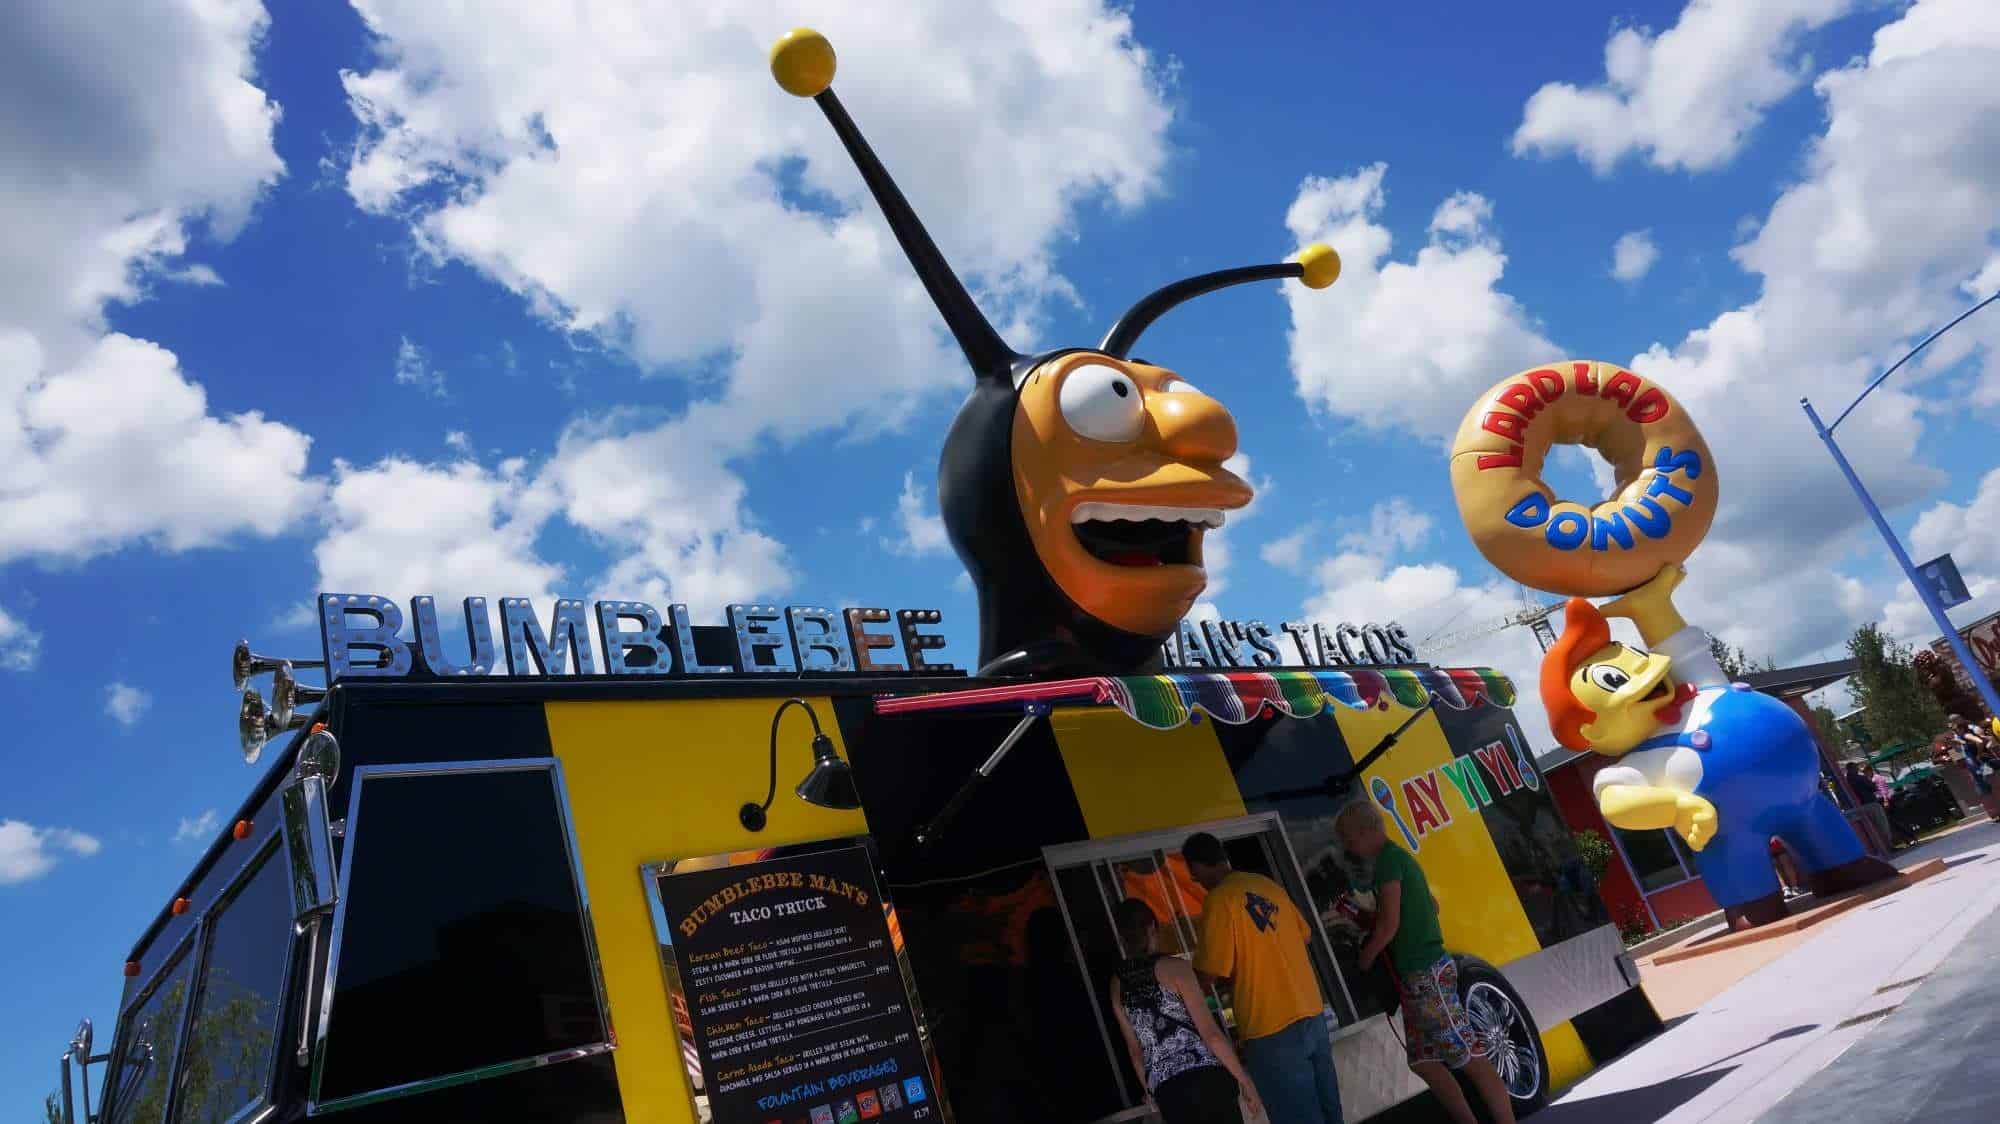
x=1439 y=1037
x=1187 y=1064
x=1971 y=745
x=1869 y=802
x=1788 y=871
x=1254 y=935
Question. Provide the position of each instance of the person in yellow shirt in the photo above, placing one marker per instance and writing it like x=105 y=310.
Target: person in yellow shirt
x=1254 y=935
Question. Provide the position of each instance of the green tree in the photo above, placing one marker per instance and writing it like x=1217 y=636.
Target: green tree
x=222 y=1069
x=1828 y=724
x=1736 y=664
x=1897 y=708
x=1596 y=852
x=52 y=1108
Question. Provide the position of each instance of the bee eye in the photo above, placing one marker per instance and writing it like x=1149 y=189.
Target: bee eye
x=1102 y=403
x=1608 y=677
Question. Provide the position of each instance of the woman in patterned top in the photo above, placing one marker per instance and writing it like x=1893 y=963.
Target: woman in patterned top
x=1187 y=1064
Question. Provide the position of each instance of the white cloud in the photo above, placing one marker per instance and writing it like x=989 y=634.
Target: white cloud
x=126 y=704
x=1686 y=99
x=1970 y=533
x=1437 y=321
x=1393 y=526
x=681 y=536
x=1896 y=212
x=1373 y=580
x=400 y=528
x=922 y=529
x=196 y=274
x=142 y=125
x=20 y=646
x=457 y=441
x=658 y=191
x=1287 y=552
x=1633 y=255
x=27 y=852
x=199 y=828
x=121 y=447
x=127 y=135
x=1217 y=547
x=414 y=368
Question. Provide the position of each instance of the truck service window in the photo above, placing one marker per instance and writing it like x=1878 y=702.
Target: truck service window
x=460 y=939
x=227 y=1065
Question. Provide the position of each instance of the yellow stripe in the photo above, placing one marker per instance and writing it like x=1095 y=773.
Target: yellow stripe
x=1477 y=906
x=1129 y=778
x=1568 y=1059
x=649 y=781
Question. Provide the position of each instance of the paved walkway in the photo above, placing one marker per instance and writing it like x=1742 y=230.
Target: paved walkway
x=1933 y=1058
x=1734 y=1058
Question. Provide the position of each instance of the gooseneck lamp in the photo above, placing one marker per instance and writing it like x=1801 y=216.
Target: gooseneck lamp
x=829 y=785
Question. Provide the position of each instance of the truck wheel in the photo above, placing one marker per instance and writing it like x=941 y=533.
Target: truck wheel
x=1499 y=1015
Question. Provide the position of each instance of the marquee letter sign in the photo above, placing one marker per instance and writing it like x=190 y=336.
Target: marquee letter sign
x=1226 y=644
x=360 y=635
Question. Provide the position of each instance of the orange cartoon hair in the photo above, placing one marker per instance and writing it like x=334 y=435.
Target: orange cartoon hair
x=1585 y=631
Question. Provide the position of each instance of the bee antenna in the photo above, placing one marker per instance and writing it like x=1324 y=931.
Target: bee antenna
x=1317 y=266
x=802 y=61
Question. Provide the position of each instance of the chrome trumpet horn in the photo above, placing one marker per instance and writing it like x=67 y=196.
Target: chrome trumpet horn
x=251 y=718
x=245 y=665
x=256 y=724
x=287 y=693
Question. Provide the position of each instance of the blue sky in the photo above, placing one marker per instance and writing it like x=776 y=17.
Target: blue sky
x=391 y=299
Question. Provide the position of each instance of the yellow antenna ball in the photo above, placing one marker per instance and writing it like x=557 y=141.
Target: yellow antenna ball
x=1322 y=265
x=802 y=62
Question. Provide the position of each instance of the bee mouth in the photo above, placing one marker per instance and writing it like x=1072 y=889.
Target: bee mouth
x=1659 y=691
x=1141 y=535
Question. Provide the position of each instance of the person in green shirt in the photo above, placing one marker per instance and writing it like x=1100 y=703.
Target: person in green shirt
x=1438 y=1035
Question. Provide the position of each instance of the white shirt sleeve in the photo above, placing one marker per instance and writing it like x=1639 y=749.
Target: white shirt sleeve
x=1694 y=662
x=1616 y=774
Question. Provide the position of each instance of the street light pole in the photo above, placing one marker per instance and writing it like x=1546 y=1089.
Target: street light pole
x=1951 y=636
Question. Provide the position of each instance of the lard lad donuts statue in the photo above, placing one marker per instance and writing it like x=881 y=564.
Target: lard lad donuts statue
x=1660 y=507
x=1077 y=484
x=1721 y=765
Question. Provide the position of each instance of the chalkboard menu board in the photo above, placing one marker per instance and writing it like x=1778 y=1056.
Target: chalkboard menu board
x=796 y=1005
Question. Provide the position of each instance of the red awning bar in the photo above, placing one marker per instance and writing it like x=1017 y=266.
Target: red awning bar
x=1165 y=702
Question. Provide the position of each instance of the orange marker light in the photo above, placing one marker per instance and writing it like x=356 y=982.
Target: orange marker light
x=241 y=830
x=131 y=968
x=180 y=906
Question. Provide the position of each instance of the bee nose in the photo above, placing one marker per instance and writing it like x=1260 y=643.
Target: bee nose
x=1192 y=427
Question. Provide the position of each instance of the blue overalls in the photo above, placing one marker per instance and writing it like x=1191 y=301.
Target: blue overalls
x=1760 y=768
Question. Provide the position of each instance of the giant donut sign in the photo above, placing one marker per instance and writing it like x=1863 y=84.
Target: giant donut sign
x=1660 y=508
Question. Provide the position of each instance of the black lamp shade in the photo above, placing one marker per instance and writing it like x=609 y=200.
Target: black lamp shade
x=831 y=782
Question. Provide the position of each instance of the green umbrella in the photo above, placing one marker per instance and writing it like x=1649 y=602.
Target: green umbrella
x=1920 y=773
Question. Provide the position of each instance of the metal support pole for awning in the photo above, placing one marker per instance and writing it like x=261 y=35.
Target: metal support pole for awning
x=1031 y=712
x=1337 y=783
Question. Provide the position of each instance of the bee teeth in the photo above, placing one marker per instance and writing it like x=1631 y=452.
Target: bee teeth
x=1098 y=512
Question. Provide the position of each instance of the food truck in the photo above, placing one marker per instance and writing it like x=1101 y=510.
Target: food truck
x=792 y=868
x=611 y=897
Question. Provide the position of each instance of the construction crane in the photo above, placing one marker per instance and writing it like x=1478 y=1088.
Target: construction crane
x=1533 y=615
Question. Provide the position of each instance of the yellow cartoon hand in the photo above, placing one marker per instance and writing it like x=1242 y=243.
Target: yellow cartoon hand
x=1651 y=606
x=1694 y=820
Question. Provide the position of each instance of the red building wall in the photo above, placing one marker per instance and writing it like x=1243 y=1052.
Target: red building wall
x=1570 y=784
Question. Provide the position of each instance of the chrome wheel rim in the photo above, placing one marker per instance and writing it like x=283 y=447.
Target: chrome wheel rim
x=1516 y=1055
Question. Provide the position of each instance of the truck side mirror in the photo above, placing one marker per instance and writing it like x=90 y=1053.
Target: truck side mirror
x=309 y=857
x=309 y=827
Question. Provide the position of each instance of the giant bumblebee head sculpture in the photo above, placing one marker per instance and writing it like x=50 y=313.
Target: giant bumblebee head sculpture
x=1076 y=484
